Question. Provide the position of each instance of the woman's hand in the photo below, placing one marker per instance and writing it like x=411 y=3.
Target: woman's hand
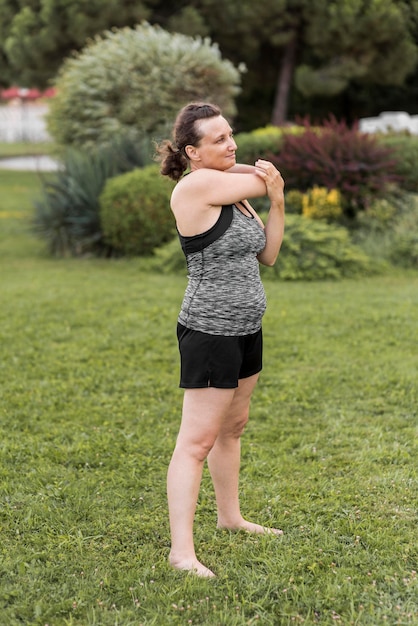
x=272 y=179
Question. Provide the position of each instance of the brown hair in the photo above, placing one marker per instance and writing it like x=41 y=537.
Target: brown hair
x=174 y=160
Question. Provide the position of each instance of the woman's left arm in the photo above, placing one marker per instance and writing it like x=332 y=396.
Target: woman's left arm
x=242 y=168
x=274 y=228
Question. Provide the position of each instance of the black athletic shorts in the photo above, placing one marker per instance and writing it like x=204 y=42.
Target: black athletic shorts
x=217 y=360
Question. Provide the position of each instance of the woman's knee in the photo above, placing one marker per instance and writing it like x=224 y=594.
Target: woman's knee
x=234 y=427
x=242 y=422
x=196 y=448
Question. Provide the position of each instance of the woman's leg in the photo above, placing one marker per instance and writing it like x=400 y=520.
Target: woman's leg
x=203 y=413
x=224 y=461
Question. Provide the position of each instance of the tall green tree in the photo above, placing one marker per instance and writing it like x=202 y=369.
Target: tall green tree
x=36 y=35
x=363 y=41
x=297 y=52
x=319 y=47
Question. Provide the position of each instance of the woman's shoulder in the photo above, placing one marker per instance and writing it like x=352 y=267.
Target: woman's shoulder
x=206 y=188
x=200 y=177
x=196 y=184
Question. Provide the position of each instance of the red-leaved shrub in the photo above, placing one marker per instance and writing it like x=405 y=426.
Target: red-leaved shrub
x=337 y=157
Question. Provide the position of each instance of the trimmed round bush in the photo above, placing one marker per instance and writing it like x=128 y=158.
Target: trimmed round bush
x=133 y=81
x=135 y=212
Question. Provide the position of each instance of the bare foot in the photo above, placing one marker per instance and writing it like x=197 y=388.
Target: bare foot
x=193 y=566
x=250 y=527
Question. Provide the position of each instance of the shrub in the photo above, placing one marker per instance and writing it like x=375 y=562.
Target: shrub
x=389 y=231
x=258 y=144
x=294 y=201
x=169 y=258
x=314 y=250
x=262 y=142
x=337 y=157
x=135 y=211
x=67 y=213
x=133 y=81
x=380 y=215
x=321 y=203
x=404 y=249
x=405 y=152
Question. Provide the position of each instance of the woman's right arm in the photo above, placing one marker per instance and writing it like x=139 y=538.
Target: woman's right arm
x=215 y=188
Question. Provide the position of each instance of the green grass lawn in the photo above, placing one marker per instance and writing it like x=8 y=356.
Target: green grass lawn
x=25 y=148
x=89 y=410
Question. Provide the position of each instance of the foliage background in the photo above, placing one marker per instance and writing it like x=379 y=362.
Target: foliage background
x=354 y=58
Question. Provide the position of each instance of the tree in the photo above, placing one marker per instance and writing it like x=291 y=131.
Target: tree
x=370 y=41
x=297 y=52
x=36 y=35
x=253 y=33
x=131 y=82
x=318 y=46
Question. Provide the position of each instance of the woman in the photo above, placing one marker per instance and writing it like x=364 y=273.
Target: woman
x=219 y=326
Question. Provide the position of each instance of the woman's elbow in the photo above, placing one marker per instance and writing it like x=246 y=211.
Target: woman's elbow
x=268 y=261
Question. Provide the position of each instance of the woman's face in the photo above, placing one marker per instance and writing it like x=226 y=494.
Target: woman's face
x=216 y=149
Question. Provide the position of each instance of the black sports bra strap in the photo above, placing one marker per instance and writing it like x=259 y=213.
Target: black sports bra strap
x=196 y=243
x=248 y=213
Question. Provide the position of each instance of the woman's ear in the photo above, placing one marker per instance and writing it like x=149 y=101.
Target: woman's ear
x=192 y=153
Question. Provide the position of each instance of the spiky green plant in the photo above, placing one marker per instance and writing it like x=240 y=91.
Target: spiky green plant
x=67 y=215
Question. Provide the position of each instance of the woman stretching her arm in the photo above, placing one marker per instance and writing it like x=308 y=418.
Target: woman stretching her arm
x=219 y=325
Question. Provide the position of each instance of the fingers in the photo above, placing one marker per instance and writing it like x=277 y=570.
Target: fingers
x=263 y=165
x=267 y=170
x=266 y=167
x=271 y=177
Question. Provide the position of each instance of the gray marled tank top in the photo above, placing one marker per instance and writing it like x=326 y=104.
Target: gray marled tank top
x=224 y=295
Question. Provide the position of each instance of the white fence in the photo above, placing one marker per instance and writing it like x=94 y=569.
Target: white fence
x=390 y=120
x=23 y=121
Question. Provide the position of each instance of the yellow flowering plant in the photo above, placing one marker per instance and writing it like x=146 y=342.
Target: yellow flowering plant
x=322 y=203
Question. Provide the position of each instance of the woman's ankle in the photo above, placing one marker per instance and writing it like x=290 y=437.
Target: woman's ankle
x=190 y=564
